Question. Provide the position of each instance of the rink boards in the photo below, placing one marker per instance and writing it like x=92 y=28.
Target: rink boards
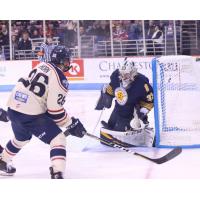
x=86 y=74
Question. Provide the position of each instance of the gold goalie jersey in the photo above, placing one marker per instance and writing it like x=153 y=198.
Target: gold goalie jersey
x=43 y=91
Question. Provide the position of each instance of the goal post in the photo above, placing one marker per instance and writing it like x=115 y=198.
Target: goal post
x=176 y=84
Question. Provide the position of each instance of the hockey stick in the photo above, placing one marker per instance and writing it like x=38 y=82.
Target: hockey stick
x=172 y=154
x=98 y=120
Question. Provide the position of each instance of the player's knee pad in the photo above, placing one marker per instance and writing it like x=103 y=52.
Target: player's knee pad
x=58 y=153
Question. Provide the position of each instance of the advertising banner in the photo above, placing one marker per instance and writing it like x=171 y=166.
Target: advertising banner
x=75 y=73
x=99 y=70
x=89 y=73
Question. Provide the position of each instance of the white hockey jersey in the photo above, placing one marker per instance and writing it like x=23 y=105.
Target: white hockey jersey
x=43 y=91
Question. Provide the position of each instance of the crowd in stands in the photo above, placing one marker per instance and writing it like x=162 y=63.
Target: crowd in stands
x=67 y=29
x=24 y=32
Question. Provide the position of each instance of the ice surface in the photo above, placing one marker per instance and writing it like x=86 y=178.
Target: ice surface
x=87 y=159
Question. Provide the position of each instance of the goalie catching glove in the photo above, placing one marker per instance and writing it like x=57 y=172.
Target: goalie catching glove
x=76 y=128
x=3 y=115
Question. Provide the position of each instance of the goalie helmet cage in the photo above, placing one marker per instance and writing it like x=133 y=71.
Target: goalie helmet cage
x=176 y=84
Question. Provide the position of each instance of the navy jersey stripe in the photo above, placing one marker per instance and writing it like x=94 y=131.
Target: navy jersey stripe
x=56 y=116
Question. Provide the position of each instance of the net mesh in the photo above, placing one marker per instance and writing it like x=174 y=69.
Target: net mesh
x=178 y=100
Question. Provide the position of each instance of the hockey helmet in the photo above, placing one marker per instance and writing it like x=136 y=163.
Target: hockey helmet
x=61 y=57
x=127 y=71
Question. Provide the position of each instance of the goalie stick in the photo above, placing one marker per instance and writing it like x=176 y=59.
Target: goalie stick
x=172 y=154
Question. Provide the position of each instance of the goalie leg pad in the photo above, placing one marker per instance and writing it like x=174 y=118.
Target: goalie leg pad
x=110 y=139
x=106 y=137
x=144 y=137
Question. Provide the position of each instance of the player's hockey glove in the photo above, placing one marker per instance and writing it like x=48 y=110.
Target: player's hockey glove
x=76 y=128
x=3 y=115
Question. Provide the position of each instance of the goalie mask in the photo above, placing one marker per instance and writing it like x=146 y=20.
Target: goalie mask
x=127 y=71
x=61 y=57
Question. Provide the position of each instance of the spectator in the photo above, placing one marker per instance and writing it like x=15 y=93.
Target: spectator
x=14 y=42
x=35 y=34
x=69 y=34
x=72 y=35
x=120 y=33
x=32 y=27
x=151 y=29
x=25 y=42
x=4 y=35
x=82 y=31
x=93 y=29
x=49 y=29
x=157 y=38
x=1 y=39
x=135 y=30
x=134 y=33
x=2 y=56
x=15 y=31
x=149 y=34
x=102 y=32
x=87 y=24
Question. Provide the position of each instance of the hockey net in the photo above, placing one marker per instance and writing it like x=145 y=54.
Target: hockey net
x=176 y=83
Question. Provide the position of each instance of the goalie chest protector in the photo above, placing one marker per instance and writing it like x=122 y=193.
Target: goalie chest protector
x=139 y=91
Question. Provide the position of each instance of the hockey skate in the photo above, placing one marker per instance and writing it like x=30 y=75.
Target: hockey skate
x=55 y=175
x=6 y=169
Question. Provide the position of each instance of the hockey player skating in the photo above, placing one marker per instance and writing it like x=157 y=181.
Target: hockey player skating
x=128 y=123
x=35 y=107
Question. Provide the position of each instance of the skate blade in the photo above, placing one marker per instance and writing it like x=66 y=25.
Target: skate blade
x=2 y=173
